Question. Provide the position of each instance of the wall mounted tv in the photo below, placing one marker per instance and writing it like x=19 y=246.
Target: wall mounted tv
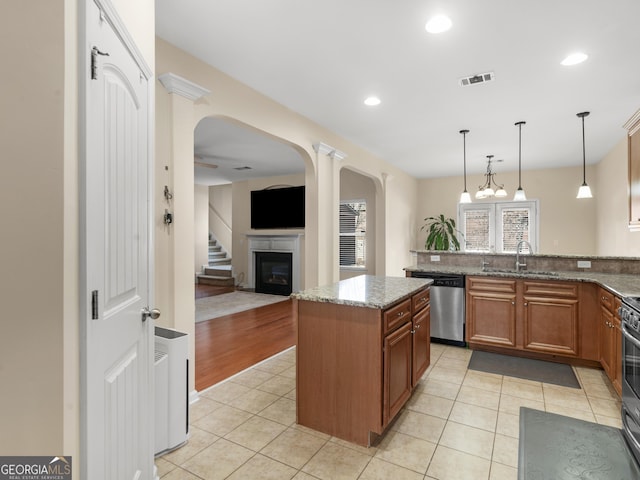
x=277 y=207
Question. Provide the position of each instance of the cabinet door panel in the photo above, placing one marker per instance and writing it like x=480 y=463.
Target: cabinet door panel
x=397 y=371
x=551 y=325
x=421 y=343
x=491 y=319
x=607 y=339
x=396 y=316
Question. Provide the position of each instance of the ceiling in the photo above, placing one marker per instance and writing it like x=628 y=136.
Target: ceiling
x=322 y=59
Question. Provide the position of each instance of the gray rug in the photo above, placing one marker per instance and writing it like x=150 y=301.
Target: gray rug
x=208 y=308
x=537 y=370
x=555 y=447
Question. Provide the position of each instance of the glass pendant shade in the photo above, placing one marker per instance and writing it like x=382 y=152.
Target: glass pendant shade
x=501 y=192
x=465 y=197
x=584 y=191
x=519 y=196
x=480 y=194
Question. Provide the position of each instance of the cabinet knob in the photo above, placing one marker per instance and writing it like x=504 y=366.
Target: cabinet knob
x=526 y=304
x=400 y=314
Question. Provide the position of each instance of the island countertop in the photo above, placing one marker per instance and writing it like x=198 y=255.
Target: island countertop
x=365 y=291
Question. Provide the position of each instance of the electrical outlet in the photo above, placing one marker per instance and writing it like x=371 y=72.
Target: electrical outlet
x=435 y=258
x=584 y=264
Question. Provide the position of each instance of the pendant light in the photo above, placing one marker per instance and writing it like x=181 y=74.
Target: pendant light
x=486 y=190
x=464 y=196
x=519 y=195
x=584 y=191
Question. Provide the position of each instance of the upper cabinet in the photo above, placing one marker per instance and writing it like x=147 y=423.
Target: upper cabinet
x=633 y=128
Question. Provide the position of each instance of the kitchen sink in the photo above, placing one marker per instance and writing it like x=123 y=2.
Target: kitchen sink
x=522 y=272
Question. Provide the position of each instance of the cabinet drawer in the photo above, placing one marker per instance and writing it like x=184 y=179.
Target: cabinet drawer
x=606 y=299
x=550 y=289
x=420 y=300
x=396 y=316
x=486 y=284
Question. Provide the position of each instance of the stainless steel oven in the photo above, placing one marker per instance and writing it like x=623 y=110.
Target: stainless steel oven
x=630 y=316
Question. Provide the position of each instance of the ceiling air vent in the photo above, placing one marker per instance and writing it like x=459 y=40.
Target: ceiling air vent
x=475 y=79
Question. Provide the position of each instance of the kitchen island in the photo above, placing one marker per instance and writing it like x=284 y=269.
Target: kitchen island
x=363 y=344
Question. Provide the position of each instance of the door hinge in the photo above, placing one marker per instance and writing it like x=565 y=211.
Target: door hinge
x=94 y=305
x=94 y=62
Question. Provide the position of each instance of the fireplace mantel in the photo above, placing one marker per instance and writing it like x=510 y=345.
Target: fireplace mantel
x=286 y=243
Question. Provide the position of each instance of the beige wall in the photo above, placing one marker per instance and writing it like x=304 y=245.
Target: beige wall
x=221 y=215
x=242 y=220
x=32 y=137
x=567 y=225
x=201 y=224
x=614 y=237
x=354 y=186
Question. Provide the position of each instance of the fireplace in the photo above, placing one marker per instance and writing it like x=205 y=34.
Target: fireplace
x=264 y=244
x=273 y=272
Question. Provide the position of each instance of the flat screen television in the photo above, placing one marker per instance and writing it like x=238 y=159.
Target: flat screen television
x=277 y=208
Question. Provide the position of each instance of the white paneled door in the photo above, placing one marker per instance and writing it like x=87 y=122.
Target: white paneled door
x=117 y=343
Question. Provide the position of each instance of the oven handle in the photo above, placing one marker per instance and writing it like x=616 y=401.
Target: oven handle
x=630 y=436
x=630 y=337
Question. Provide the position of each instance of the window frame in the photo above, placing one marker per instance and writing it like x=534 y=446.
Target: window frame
x=495 y=209
x=362 y=235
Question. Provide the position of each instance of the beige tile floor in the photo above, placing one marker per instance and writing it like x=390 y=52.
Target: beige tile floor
x=459 y=424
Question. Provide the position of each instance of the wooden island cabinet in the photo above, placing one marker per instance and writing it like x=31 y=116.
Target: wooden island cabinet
x=538 y=317
x=363 y=344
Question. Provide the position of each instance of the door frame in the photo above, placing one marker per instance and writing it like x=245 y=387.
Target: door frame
x=110 y=15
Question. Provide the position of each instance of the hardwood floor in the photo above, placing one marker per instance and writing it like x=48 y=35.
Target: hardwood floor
x=227 y=345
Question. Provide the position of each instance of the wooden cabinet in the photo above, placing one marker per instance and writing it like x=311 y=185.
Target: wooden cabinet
x=550 y=317
x=491 y=311
x=421 y=343
x=633 y=128
x=398 y=360
x=357 y=366
x=537 y=316
x=617 y=340
x=611 y=338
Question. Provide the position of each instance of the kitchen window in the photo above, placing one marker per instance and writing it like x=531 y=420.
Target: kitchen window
x=353 y=232
x=498 y=226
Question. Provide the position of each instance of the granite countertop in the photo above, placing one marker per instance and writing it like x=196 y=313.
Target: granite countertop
x=365 y=291
x=623 y=285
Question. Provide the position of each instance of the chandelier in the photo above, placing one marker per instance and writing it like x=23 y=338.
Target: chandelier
x=486 y=190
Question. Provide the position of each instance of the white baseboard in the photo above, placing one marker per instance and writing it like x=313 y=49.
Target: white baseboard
x=194 y=396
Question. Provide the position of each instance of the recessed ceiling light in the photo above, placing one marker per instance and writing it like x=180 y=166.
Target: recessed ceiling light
x=574 y=59
x=372 y=101
x=438 y=24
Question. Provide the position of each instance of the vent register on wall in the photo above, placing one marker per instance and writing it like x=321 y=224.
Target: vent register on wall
x=277 y=207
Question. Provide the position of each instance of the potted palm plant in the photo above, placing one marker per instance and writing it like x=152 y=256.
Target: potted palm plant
x=442 y=233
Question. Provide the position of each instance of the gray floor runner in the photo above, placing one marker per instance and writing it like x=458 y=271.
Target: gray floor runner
x=538 y=370
x=555 y=447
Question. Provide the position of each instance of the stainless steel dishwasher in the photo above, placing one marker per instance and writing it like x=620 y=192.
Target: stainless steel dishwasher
x=447 y=307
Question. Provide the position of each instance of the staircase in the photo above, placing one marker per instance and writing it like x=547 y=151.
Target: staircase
x=218 y=271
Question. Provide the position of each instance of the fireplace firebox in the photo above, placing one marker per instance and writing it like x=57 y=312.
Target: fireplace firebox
x=273 y=273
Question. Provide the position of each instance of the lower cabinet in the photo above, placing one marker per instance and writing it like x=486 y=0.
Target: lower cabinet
x=397 y=370
x=611 y=338
x=421 y=343
x=536 y=316
x=357 y=366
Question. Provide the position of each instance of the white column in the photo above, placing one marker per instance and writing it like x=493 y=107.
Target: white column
x=181 y=247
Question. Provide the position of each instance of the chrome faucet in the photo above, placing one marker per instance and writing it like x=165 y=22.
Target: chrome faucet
x=484 y=264
x=520 y=243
